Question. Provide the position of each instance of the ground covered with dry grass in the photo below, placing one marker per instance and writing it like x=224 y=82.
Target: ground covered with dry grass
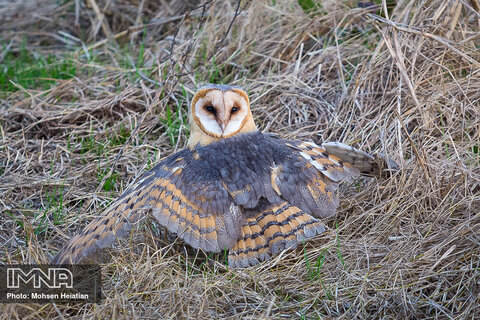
x=95 y=92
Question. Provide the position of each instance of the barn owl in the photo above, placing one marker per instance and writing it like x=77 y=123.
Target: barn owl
x=232 y=188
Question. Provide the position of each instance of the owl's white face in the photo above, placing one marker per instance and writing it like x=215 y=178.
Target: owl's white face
x=219 y=114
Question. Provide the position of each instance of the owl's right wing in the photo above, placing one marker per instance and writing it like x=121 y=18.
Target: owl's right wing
x=183 y=194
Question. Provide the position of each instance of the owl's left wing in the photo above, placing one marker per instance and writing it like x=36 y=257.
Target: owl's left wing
x=301 y=173
x=183 y=193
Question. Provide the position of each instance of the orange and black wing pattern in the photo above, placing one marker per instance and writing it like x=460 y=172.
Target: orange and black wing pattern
x=181 y=195
x=270 y=231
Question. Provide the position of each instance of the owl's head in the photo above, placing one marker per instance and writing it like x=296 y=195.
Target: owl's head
x=219 y=112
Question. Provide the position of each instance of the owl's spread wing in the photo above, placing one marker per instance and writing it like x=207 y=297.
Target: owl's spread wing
x=253 y=192
x=183 y=194
x=301 y=173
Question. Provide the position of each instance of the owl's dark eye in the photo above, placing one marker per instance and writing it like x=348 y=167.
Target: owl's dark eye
x=210 y=109
x=234 y=109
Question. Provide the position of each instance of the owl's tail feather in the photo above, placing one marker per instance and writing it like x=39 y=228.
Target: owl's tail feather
x=271 y=231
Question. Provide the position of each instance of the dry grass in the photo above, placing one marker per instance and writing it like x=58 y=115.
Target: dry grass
x=404 y=82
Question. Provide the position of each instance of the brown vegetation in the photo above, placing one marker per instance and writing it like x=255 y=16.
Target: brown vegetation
x=402 y=80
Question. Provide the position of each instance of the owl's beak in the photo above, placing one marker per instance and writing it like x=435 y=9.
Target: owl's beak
x=222 y=120
x=222 y=125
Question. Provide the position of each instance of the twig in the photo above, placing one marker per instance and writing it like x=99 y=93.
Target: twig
x=134 y=29
x=4 y=52
x=77 y=13
x=236 y=14
x=101 y=19
x=425 y=171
